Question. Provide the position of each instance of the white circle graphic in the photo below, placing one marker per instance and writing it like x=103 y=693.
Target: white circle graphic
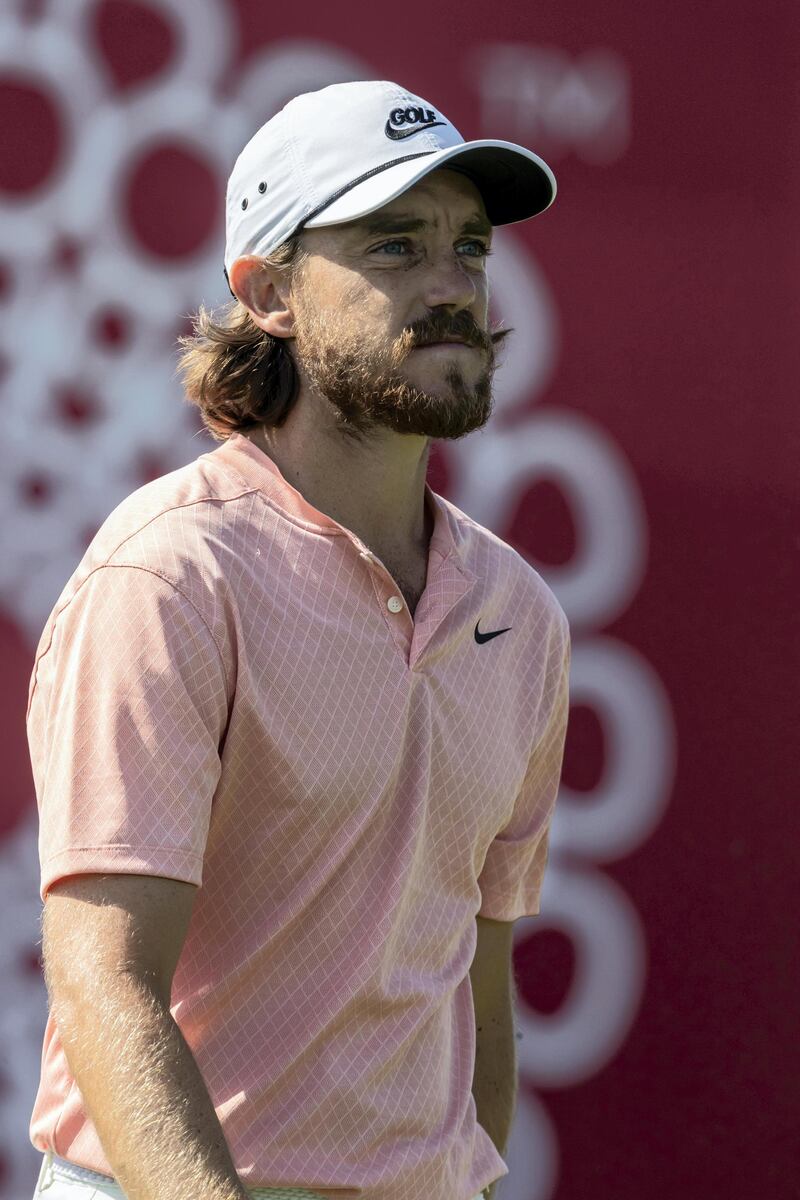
x=571 y=1045
x=628 y=803
x=495 y=467
x=55 y=64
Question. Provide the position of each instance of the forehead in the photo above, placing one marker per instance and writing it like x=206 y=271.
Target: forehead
x=444 y=198
x=455 y=193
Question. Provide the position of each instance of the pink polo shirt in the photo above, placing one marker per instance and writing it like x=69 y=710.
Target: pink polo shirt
x=231 y=691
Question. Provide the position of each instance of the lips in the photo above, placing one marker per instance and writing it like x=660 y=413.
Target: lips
x=443 y=342
x=458 y=329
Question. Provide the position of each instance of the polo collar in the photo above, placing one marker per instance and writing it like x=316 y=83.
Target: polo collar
x=257 y=469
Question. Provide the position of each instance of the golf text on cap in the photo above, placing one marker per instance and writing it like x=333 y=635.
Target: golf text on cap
x=420 y=118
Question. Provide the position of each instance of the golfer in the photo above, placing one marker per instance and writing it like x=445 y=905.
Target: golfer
x=297 y=721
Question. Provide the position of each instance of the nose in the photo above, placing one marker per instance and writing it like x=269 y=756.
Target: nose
x=449 y=284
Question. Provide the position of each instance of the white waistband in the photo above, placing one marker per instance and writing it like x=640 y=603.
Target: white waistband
x=63 y=1167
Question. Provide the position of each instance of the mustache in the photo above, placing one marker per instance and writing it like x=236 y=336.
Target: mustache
x=440 y=326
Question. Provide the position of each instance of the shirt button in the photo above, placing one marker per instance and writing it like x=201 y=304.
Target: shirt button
x=394 y=604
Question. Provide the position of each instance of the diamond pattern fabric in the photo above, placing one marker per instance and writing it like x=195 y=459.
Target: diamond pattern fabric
x=222 y=695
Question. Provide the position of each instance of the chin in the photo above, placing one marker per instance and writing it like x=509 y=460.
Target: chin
x=438 y=383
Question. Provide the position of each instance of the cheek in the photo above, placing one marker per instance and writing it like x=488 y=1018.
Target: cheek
x=376 y=317
x=480 y=308
x=330 y=289
x=366 y=308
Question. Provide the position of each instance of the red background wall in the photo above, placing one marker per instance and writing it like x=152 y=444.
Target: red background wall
x=675 y=270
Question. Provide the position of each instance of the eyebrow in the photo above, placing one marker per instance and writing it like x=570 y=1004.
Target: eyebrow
x=406 y=224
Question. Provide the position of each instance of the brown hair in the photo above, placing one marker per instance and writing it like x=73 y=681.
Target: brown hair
x=238 y=375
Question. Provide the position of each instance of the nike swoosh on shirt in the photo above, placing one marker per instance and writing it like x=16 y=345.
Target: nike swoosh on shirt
x=487 y=637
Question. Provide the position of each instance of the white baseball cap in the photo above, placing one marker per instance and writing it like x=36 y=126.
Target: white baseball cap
x=339 y=153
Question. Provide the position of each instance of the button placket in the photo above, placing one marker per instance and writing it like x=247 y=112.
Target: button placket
x=400 y=629
x=394 y=603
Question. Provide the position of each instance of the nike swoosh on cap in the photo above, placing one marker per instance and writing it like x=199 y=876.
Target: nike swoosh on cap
x=398 y=134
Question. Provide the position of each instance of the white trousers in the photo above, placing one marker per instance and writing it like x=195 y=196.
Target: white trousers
x=62 y=1180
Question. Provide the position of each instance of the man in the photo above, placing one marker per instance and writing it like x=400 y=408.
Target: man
x=297 y=721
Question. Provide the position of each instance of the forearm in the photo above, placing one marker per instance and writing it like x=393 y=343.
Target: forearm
x=494 y=1083
x=144 y=1092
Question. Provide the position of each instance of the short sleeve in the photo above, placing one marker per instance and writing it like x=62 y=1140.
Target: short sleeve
x=127 y=712
x=513 y=871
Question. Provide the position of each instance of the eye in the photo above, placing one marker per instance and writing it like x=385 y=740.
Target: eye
x=476 y=248
x=397 y=247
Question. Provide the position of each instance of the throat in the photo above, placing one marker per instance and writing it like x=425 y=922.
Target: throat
x=411 y=582
x=408 y=567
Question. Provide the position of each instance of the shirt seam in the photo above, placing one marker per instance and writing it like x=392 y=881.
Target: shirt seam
x=247 y=490
x=137 y=567
x=308 y=526
x=301 y=523
x=123 y=846
x=174 y=508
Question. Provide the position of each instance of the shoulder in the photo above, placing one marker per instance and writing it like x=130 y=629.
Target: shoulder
x=173 y=532
x=167 y=513
x=173 y=525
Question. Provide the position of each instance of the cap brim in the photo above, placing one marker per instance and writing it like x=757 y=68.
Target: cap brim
x=514 y=182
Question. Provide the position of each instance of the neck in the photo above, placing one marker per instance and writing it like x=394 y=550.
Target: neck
x=373 y=485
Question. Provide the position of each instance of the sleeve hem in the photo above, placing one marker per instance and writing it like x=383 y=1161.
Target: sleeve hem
x=169 y=862
x=509 y=911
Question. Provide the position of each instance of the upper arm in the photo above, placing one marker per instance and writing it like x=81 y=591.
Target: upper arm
x=100 y=925
x=491 y=973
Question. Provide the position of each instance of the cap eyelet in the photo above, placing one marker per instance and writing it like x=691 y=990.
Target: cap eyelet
x=244 y=202
x=262 y=187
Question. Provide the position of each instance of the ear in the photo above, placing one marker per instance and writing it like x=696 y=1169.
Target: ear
x=265 y=293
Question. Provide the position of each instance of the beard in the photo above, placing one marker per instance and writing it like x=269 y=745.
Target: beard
x=363 y=378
